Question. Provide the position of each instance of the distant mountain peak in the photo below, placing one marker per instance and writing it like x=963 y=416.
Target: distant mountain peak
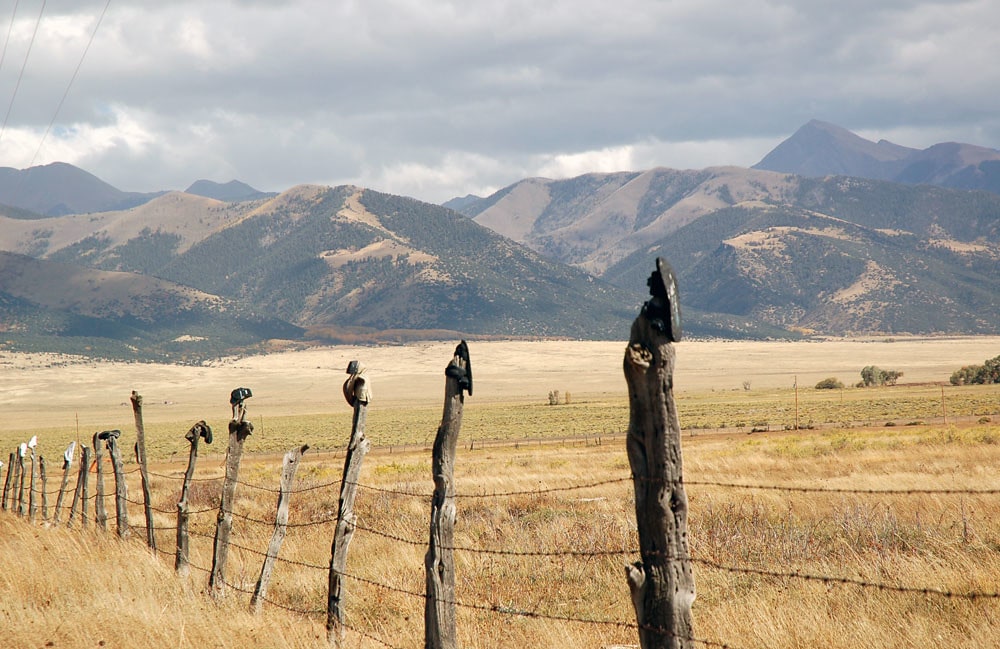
x=229 y=192
x=820 y=149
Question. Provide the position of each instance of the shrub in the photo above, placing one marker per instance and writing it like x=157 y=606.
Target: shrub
x=831 y=383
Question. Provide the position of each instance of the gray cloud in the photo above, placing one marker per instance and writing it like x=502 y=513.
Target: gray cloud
x=433 y=98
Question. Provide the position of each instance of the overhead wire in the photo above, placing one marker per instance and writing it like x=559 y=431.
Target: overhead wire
x=24 y=65
x=10 y=29
x=70 y=85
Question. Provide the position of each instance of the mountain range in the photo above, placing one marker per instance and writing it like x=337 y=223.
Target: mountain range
x=758 y=252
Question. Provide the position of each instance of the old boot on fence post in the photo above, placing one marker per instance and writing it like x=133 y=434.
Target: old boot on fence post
x=439 y=565
x=140 y=457
x=100 y=508
x=357 y=392
x=199 y=431
x=288 y=468
x=110 y=437
x=662 y=584
x=67 y=464
x=239 y=430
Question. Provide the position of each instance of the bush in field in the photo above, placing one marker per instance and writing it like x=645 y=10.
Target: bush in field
x=831 y=383
x=988 y=372
x=872 y=376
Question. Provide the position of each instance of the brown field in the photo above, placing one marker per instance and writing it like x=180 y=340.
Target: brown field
x=541 y=553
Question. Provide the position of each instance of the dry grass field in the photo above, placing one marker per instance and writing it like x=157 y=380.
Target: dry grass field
x=852 y=534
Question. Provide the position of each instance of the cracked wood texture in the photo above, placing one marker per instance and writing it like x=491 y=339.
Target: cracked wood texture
x=662 y=584
x=238 y=433
x=439 y=564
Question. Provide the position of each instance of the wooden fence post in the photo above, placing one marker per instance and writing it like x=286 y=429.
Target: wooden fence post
x=662 y=584
x=358 y=396
x=7 y=480
x=121 y=487
x=22 y=508
x=239 y=430
x=45 y=488
x=100 y=508
x=288 y=468
x=197 y=432
x=82 y=493
x=33 y=485
x=67 y=463
x=439 y=565
x=140 y=456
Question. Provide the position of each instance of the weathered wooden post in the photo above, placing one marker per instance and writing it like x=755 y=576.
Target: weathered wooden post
x=100 y=507
x=199 y=431
x=22 y=507
x=140 y=456
x=662 y=584
x=82 y=492
x=33 y=485
x=45 y=487
x=110 y=437
x=288 y=468
x=7 y=481
x=439 y=565
x=67 y=463
x=358 y=393
x=239 y=430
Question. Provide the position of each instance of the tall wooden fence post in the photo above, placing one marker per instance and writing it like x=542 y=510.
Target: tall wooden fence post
x=140 y=456
x=22 y=507
x=67 y=464
x=199 y=431
x=288 y=468
x=121 y=487
x=33 y=485
x=357 y=391
x=45 y=487
x=100 y=508
x=239 y=430
x=439 y=565
x=7 y=481
x=662 y=584
x=82 y=493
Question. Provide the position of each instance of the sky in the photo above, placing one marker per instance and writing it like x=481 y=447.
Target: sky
x=436 y=99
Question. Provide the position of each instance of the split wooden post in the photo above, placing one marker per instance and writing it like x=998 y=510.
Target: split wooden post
x=22 y=507
x=140 y=456
x=662 y=584
x=121 y=487
x=100 y=509
x=33 y=485
x=67 y=464
x=239 y=430
x=45 y=488
x=181 y=562
x=288 y=468
x=357 y=448
x=439 y=565
x=82 y=492
x=7 y=480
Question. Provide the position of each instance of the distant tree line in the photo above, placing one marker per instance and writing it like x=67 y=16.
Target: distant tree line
x=988 y=372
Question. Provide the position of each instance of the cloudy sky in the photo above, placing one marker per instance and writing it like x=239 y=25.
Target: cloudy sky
x=435 y=98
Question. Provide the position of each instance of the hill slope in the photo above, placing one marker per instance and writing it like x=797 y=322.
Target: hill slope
x=342 y=260
x=774 y=262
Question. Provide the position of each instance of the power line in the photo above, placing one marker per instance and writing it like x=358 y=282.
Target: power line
x=23 y=66
x=10 y=28
x=72 y=79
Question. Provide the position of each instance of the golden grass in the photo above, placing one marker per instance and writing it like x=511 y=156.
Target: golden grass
x=76 y=588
